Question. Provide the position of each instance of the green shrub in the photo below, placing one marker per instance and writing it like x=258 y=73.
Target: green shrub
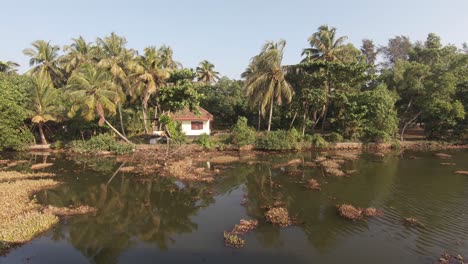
x=335 y=137
x=318 y=141
x=57 y=145
x=173 y=128
x=279 y=140
x=101 y=142
x=205 y=141
x=242 y=134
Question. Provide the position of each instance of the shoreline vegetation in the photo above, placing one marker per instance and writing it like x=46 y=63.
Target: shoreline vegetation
x=21 y=217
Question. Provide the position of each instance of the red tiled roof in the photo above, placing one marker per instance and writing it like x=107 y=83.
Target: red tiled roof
x=185 y=115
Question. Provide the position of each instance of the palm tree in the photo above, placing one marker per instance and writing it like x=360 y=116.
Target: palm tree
x=148 y=78
x=266 y=83
x=116 y=59
x=206 y=72
x=92 y=91
x=79 y=52
x=325 y=46
x=167 y=60
x=44 y=57
x=44 y=102
x=8 y=67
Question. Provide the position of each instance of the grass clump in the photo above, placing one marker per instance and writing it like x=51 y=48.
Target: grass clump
x=101 y=142
x=232 y=240
x=205 y=141
x=278 y=216
x=318 y=141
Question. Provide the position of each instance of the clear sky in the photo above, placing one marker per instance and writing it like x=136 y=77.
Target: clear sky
x=227 y=33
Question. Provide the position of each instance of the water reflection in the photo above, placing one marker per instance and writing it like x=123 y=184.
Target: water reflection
x=160 y=213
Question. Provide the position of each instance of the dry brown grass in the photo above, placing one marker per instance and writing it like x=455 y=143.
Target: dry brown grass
x=278 y=216
x=334 y=172
x=20 y=218
x=222 y=159
x=14 y=175
x=40 y=166
x=244 y=226
x=350 y=212
x=314 y=185
x=69 y=211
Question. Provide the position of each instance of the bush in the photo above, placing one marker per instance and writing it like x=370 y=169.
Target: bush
x=205 y=141
x=318 y=141
x=57 y=145
x=334 y=137
x=242 y=134
x=279 y=140
x=102 y=142
x=173 y=128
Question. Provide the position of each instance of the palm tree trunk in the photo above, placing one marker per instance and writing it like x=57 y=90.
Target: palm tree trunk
x=144 y=119
x=41 y=133
x=271 y=114
x=117 y=132
x=259 y=118
x=121 y=120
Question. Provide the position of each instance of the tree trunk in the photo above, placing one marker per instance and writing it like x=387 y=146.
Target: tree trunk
x=294 y=119
x=271 y=114
x=259 y=118
x=41 y=133
x=402 y=135
x=304 y=118
x=117 y=132
x=121 y=120
x=144 y=119
x=329 y=90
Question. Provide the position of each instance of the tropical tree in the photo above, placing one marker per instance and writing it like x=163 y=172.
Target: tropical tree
x=44 y=102
x=148 y=78
x=116 y=59
x=92 y=91
x=325 y=45
x=8 y=66
x=167 y=61
x=79 y=52
x=206 y=73
x=266 y=83
x=45 y=57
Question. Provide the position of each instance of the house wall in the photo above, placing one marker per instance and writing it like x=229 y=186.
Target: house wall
x=187 y=128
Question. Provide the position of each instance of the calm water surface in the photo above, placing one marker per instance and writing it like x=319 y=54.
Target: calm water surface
x=146 y=219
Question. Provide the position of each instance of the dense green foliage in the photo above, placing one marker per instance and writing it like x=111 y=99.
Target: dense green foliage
x=242 y=134
x=279 y=140
x=101 y=142
x=337 y=90
x=13 y=111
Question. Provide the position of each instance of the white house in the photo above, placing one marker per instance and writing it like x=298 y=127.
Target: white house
x=194 y=124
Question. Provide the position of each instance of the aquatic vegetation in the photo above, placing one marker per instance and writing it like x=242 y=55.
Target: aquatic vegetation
x=443 y=155
x=69 y=211
x=350 y=212
x=244 y=226
x=347 y=155
x=14 y=175
x=224 y=159
x=330 y=164
x=334 y=172
x=128 y=169
x=40 y=166
x=20 y=218
x=411 y=221
x=232 y=240
x=461 y=172
x=447 y=258
x=313 y=184
x=448 y=163
x=278 y=216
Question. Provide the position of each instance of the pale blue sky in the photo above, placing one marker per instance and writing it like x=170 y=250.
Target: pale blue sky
x=227 y=33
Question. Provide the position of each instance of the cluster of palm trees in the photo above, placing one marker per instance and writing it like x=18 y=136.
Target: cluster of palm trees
x=97 y=80
x=265 y=78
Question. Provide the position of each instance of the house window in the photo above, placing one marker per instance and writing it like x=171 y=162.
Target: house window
x=197 y=125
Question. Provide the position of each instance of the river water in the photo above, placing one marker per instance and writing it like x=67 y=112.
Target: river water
x=149 y=219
